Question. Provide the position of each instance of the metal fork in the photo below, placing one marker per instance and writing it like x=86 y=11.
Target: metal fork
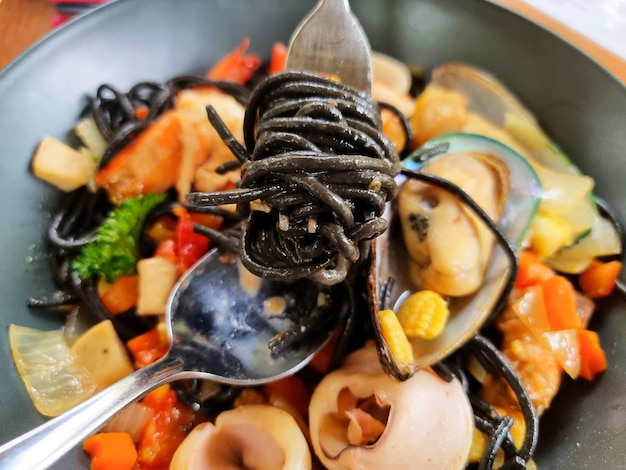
x=330 y=40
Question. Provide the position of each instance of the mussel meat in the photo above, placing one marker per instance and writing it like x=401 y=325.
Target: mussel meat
x=479 y=279
x=569 y=231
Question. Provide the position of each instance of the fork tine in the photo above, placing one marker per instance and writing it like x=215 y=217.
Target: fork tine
x=330 y=40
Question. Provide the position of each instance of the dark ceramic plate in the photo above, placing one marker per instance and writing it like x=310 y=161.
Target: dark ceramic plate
x=579 y=104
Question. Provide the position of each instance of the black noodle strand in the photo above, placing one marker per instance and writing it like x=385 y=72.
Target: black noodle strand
x=115 y=112
x=486 y=419
x=83 y=211
x=316 y=173
x=493 y=361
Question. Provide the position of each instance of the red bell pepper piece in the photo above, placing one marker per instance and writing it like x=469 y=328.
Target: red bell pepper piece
x=278 y=59
x=190 y=246
x=236 y=66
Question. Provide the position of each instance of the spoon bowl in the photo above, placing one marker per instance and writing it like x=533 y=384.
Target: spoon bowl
x=224 y=325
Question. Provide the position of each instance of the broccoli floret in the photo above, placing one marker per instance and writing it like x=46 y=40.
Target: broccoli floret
x=114 y=251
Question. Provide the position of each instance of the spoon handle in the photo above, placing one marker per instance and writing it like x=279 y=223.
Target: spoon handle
x=44 y=445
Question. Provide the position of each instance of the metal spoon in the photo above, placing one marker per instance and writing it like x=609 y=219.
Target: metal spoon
x=220 y=322
x=330 y=40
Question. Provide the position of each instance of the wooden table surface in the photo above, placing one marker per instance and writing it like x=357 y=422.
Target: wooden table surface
x=22 y=22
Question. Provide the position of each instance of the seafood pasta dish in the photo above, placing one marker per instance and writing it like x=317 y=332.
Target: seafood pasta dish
x=464 y=251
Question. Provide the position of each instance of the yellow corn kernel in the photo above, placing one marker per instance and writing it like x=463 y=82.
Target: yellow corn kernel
x=396 y=338
x=424 y=314
x=480 y=439
x=249 y=396
x=549 y=233
x=518 y=430
x=479 y=444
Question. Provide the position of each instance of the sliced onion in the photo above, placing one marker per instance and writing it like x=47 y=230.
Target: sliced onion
x=603 y=240
x=48 y=368
x=131 y=419
x=566 y=349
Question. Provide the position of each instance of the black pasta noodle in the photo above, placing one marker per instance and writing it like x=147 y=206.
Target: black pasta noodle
x=82 y=211
x=115 y=112
x=316 y=174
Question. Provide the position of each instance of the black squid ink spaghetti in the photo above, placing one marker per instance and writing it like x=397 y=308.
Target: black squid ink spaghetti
x=316 y=174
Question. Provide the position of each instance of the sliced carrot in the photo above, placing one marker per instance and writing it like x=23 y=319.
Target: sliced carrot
x=293 y=389
x=121 y=295
x=111 y=451
x=236 y=66
x=142 y=112
x=531 y=270
x=321 y=360
x=559 y=297
x=147 y=347
x=167 y=249
x=278 y=59
x=599 y=279
x=592 y=356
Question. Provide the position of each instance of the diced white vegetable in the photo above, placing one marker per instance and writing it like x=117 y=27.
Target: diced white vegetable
x=157 y=276
x=61 y=165
x=87 y=130
x=102 y=353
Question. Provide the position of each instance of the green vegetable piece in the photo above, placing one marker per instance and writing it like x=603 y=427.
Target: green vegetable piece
x=114 y=251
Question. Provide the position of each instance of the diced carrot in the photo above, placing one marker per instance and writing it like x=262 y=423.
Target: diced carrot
x=147 y=347
x=293 y=389
x=111 y=451
x=236 y=66
x=599 y=279
x=142 y=112
x=159 y=399
x=278 y=59
x=121 y=295
x=593 y=358
x=321 y=360
x=531 y=270
x=167 y=249
x=559 y=297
